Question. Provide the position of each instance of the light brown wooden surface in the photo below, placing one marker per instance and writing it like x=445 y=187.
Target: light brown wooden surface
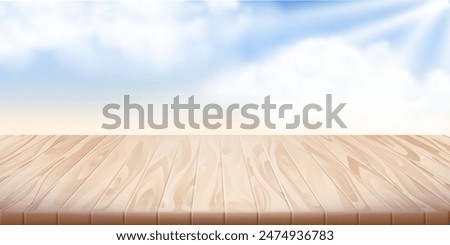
x=208 y=203
x=225 y=179
x=239 y=195
x=146 y=198
x=176 y=202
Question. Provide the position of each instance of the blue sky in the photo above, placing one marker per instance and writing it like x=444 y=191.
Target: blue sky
x=85 y=54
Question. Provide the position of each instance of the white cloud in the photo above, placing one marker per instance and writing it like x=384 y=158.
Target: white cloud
x=383 y=96
x=160 y=34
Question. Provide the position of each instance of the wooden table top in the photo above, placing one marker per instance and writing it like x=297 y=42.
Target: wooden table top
x=224 y=179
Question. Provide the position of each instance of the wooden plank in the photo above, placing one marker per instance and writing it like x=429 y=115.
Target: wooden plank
x=77 y=209
x=358 y=162
x=338 y=209
x=305 y=207
x=44 y=210
x=273 y=206
x=208 y=204
x=370 y=209
x=20 y=161
x=433 y=157
x=176 y=203
x=240 y=205
x=427 y=146
x=146 y=198
x=12 y=141
x=392 y=167
x=224 y=179
x=21 y=175
x=110 y=208
x=428 y=171
x=14 y=206
x=438 y=169
x=359 y=165
x=442 y=140
x=11 y=152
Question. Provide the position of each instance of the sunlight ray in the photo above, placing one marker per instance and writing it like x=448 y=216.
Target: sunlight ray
x=419 y=38
x=367 y=32
x=444 y=54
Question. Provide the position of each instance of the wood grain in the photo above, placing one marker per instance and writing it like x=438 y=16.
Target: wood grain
x=176 y=203
x=14 y=150
x=404 y=175
x=427 y=146
x=208 y=203
x=239 y=197
x=305 y=207
x=330 y=196
x=358 y=163
x=225 y=179
x=31 y=150
x=110 y=207
x=13 y=207
x=14 y=181
x=10 y=141
x=82 y=201
x=146 y=198
x=45 y=209
x=273 y=205
x=370 y=209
